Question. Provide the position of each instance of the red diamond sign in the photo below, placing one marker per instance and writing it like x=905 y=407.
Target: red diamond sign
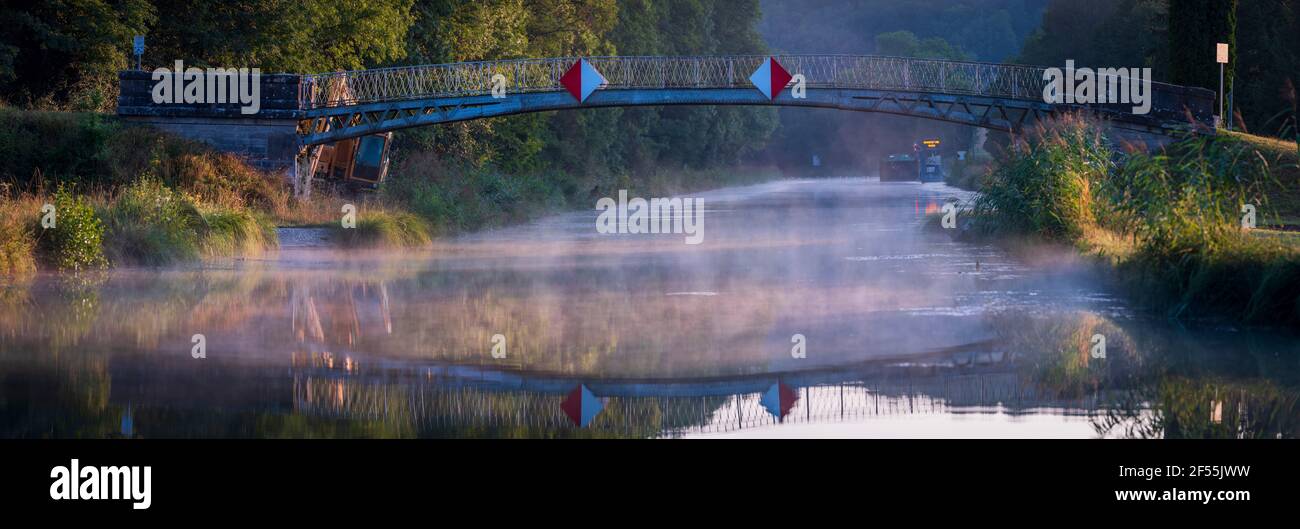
x=770 y=78
x=581 y=80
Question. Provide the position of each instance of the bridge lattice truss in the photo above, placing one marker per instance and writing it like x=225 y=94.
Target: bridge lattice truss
x=348 y=104
x=543 y=75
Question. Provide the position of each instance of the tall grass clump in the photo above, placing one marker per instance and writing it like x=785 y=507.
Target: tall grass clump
x=1185 y=206
x=1045 y=186
x=76 y=242
x=151 y=224
x=1178 y=213
x=236 y=232
x=378 y=228
x=1189 y=197
x=17 y=235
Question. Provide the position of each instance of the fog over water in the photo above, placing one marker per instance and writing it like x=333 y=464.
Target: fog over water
x=903 y=332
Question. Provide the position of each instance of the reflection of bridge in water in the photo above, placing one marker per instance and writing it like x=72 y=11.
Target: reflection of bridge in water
x=459 y=398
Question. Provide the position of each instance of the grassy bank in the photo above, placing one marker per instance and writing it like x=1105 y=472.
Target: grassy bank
x=123 y=196
x=1170 y=222
x=133 y=196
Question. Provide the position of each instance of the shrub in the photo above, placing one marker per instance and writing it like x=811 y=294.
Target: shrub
x=76 y=240
x=100 y=154
x=212 y=177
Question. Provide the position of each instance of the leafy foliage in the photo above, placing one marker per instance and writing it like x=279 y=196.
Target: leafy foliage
x=1195 y=26
x=282 y=35
x=1110 y=33
x=905 y=44
x=71 y=146
x=76 y=240
x=596 y=145
x=66 y=53
x=991 y=30
x=1181 y=207
x=853 y=143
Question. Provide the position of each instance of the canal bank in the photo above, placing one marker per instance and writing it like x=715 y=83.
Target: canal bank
x=1202 y=229
x=85 y=191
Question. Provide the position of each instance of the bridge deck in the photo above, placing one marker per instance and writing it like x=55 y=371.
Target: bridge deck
x=321 y=108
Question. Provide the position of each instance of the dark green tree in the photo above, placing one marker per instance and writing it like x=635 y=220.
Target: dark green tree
x=1268 y=62
x=281 y=35
x=66 y=53
x=1195 y=26
x=905 y=44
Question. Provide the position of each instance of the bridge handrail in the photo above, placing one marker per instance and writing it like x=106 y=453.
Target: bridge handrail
x=870 y=72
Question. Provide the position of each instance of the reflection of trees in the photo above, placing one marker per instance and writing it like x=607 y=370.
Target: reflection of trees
x=59 y=397
x=1180 y=407
x=1056 y=351
x=56 y=314
x=1160 y=384
x=138 y=310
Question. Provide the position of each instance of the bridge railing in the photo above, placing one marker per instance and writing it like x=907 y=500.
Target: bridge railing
x=1170 y=103
x=543 y=75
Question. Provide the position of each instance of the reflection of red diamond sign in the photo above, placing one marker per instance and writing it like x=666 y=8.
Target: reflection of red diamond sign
x=779 y=400
x=581 y=406
x=770 y=78
x=581 y=80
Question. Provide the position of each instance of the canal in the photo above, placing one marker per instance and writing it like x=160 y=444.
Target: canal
x=824 y=308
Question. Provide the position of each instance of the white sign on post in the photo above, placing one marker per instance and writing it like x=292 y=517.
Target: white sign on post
x=1221 y=53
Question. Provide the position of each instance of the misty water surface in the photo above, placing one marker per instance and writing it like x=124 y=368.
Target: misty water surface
x=905 y=333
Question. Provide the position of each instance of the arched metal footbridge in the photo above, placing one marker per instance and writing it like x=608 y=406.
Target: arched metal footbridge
x=995 y=96
x=300 y=111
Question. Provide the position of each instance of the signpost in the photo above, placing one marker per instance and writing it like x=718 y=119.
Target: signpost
x=138 y=45
x=1221 y=56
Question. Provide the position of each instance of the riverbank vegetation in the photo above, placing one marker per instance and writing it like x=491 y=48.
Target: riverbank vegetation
x=1171 y=221
x=131 y=196
x=122 y=196
x=444 y=179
